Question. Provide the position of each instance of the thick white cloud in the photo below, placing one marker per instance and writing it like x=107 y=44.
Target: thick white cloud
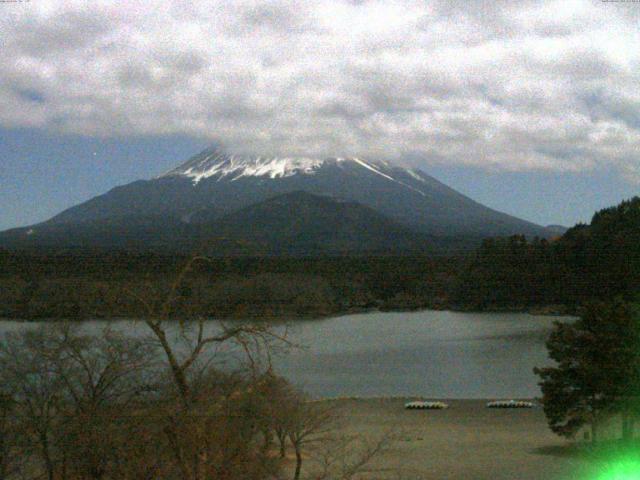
x=504 y=85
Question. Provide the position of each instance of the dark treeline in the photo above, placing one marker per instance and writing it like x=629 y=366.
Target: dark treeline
x=599 y=260
x=103 y=284
x=596 y=261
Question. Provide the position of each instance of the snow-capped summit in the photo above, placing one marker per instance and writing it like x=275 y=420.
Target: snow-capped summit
x=217 y=164
x=216 y=184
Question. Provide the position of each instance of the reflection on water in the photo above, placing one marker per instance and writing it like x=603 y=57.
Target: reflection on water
x=429 y=353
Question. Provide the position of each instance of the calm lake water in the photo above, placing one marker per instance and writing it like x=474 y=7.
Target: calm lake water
x=429 y=353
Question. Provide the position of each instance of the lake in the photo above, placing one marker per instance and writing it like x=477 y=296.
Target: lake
x=436 y=354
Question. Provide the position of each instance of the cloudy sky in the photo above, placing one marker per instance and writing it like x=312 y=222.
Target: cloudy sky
x=530 y=107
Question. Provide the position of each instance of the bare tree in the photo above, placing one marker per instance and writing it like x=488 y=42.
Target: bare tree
x=199 y=413
x=36 y=393
x=9 y=437
x=102 y=377
x=280 y=399
x=254 y=339
x=343 y=457
x=72 y=392
x=308 y=423
x=314 y=430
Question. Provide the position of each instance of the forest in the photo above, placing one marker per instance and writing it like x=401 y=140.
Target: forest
x=590 y=261
x=600 y=260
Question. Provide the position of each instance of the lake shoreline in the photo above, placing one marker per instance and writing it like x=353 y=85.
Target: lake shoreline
x=413 y=398
x=543 y=311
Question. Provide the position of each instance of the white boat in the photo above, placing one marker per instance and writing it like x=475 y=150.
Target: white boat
x=509 y=404
x=422 y=405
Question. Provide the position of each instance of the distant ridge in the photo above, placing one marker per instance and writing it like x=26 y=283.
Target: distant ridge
x=304 y=223
x=556 y=229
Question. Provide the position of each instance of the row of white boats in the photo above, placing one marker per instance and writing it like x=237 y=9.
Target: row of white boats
x=425 y=405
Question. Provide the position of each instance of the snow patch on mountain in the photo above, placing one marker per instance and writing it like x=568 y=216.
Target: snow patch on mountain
x=375 y=170
x=415 y=175
x=222 y=165
x=366 y=165
x=234 y=167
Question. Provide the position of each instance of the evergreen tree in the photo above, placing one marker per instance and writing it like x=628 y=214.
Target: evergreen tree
x=598 y=369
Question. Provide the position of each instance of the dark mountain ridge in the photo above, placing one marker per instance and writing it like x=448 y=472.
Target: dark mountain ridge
x=304 y=223
x=296 y=223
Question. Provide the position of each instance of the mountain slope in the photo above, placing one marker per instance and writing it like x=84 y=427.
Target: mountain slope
x=304 y=223
x=148 y=233
x=296 y=223
x=215 y=183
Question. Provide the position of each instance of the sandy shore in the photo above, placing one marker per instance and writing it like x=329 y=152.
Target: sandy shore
x=466 y=441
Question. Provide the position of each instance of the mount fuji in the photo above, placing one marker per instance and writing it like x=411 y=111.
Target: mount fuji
x=217 y=194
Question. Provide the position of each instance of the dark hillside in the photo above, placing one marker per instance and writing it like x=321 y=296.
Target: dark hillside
x=599 y=260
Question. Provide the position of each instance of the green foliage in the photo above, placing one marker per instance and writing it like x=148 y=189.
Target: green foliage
x=598 y=366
